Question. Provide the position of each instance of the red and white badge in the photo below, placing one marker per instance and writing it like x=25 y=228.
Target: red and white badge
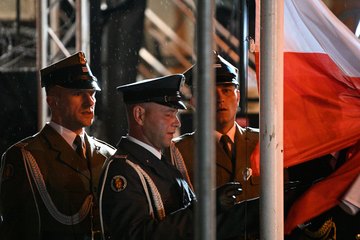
x=118 y=183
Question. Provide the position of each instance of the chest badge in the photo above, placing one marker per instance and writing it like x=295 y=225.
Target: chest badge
x=118 y=183
x=247 y=173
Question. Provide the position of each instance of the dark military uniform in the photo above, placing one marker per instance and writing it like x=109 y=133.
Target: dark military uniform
x=143 y=197
x=69 y=180
x=126 y=207
x=245 y=142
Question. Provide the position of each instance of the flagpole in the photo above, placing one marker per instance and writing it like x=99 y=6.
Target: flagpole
x=205 y=212
x=271 y=119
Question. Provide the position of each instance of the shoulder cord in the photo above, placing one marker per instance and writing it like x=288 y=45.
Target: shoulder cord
x=146 y=179
x=178 y=161
x=33 y=193
x=323 y=232
x=30 y=162
x=100 y=198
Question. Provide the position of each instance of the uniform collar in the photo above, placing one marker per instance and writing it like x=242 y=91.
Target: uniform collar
x=67 y=134
x=146 y=146
x=230 y=133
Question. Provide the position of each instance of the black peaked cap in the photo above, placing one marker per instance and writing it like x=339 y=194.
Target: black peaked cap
x=71 y=72
x=163 y=90
x=225 y=72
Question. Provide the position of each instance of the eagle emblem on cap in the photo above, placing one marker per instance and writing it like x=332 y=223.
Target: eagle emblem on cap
x=118 y=183
x=82 y=58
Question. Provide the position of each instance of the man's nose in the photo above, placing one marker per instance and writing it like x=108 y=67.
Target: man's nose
x=177 y=122
x=219 y=96
x=90 y=99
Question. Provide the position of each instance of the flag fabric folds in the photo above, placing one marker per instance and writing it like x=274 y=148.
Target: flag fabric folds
x=321 y=100
x=321 y=82
x=326 y=193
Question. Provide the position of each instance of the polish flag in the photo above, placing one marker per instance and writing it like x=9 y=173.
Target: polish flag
x=321 y=100
x=321 y=82
x=325 y=194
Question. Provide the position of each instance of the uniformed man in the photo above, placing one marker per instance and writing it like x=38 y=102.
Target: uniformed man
x=143 y=194
x=49 y=180
x=234 y=144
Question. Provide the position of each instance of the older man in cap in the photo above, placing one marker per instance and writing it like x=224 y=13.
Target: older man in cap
x=49 y=180
x=143 y=194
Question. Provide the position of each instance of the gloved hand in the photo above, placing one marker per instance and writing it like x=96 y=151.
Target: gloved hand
x=226 y=195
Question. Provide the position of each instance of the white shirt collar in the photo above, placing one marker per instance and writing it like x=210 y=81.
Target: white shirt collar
x=146 y=146
x=67 y=134
x=230 y=133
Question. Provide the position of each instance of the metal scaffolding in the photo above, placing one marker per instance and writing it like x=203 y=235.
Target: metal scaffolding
x=58 y=26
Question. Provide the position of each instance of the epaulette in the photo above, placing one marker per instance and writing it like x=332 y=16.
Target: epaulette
x=120 y=156
x=20 y=144
x=103 y=142
x=23 y=142
x=251 y=129
x=185 y=135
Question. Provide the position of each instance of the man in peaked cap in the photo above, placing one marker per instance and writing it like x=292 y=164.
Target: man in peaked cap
x=142 y=193
x=234 y=144
x=225 y=73
x=233 y=165
x=49 y=180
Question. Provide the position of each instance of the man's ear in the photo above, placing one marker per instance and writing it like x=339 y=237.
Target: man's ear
x=139 y=114
x=238 y=96
x=52 y=101
x=53 y=97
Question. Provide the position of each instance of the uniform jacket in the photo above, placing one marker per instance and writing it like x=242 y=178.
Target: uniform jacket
x=245 y=142
x=68 y=179
x=125 y=208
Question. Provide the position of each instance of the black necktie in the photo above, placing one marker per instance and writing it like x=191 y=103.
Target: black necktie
x=226 y=142
x=79 y=147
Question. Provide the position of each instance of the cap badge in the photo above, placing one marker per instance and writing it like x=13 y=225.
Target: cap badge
x=82 y=58
x=84 y=69
x=118 y=183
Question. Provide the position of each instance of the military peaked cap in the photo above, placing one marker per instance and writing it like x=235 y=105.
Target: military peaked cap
x=225 y=72
x=71 y=72
x=163 y=90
